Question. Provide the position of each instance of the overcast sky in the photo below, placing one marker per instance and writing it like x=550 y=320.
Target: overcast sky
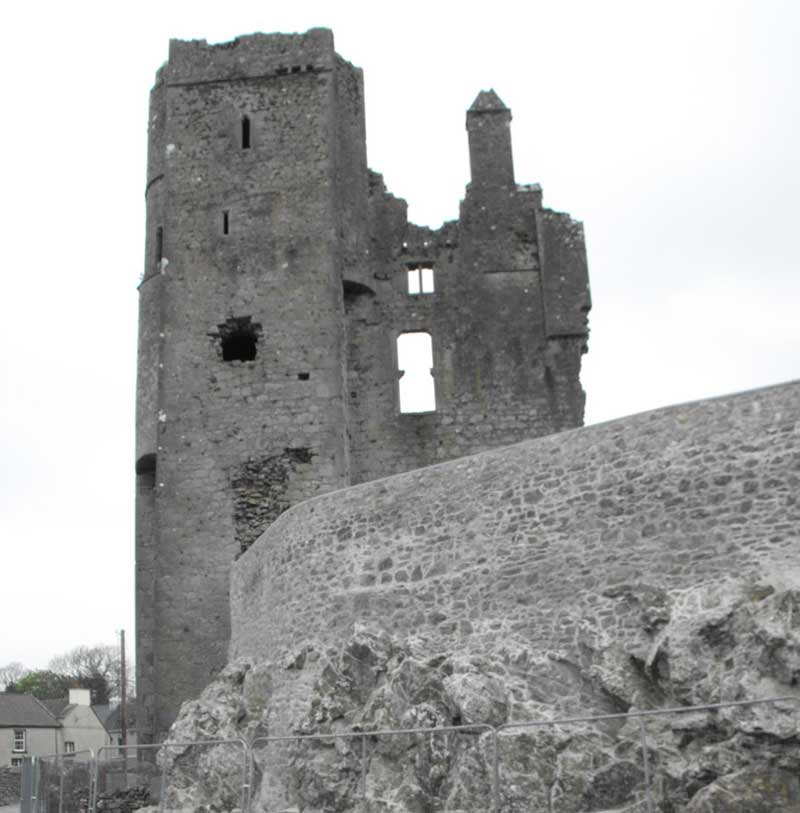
x=669 y=129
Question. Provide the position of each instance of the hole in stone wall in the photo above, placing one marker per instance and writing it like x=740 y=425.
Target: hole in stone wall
x=245 y=133
x=415 y=366
x=238 y=336
x=352 y=289
x=297 y=68
x=146 y=471
x=225 y=222
x=303 y=376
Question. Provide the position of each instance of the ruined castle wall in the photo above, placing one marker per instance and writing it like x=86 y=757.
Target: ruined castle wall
x=498 y=375
x=507 y=327
x=528 y=539
x=273 y=294
x=248 y=244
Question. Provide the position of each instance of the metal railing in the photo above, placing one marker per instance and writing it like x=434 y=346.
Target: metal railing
x=364 y=737
x=640 y=716
x=141 y=768
x=58 y=786
x=57 y=783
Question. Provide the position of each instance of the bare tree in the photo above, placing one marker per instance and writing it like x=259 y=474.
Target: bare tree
x=94 y=667
x=11 y=673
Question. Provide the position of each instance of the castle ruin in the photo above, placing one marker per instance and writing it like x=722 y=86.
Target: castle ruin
x=281 y=280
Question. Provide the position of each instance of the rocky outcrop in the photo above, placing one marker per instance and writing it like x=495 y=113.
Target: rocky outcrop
x=728 y=642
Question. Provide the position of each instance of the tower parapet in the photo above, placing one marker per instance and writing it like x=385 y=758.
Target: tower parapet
x=281 y=283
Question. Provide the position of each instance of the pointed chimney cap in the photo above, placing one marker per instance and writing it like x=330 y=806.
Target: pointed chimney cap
x=487 y=101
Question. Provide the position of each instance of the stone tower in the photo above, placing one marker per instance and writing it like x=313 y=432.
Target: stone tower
x=281 y=280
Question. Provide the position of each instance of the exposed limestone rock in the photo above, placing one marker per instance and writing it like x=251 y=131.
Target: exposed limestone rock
x=728 y=642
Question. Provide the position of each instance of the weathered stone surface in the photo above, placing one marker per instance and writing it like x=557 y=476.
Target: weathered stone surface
x=642 y=564
x=749 y=791
x=709 y=644
x=590 y=538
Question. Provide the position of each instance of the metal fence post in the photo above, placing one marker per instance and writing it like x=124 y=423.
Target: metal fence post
x=364 y=770
x=646 y=764
x=93 y=782
x=163 y=792
x=60 y=763
x=247 y=774
x=26 y=785
x=495 y=772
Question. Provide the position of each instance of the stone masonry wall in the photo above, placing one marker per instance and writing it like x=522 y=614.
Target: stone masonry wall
x=273 y=294
x=534 y=540
x=10 y=785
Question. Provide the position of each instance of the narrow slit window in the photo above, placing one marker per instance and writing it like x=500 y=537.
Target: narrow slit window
x=415 y=372
x=159 y=245
x=225 y=223
x=420 y=279
x=245 y=133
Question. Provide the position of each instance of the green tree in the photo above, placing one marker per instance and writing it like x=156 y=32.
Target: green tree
x=43 y=684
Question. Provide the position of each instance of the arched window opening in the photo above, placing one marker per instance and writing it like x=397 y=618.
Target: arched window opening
x=245 y=133
x=415 y=367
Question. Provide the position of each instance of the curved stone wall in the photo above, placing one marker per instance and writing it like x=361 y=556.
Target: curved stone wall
x=533 y=540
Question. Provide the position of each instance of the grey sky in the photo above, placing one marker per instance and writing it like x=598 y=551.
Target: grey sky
x=671 y=130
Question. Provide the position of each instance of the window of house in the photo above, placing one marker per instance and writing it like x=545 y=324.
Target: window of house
x=69 y=747
x=19 y=739
x=16 y=762
x=420 y=279
x=415 y=368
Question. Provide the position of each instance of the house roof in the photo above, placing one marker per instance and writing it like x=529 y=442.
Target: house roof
x=56 y=706
x=113 y=719
x=103 y=712
x=25 y=710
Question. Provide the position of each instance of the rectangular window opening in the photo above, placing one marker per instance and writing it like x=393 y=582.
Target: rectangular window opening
x=245 y=133
x=415 y=372
x=420 y=279
x=19 y=740
x=69 y=747
x=303 y=376
x=225 y=222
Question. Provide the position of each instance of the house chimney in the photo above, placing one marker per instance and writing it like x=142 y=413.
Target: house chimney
x=80 y=697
